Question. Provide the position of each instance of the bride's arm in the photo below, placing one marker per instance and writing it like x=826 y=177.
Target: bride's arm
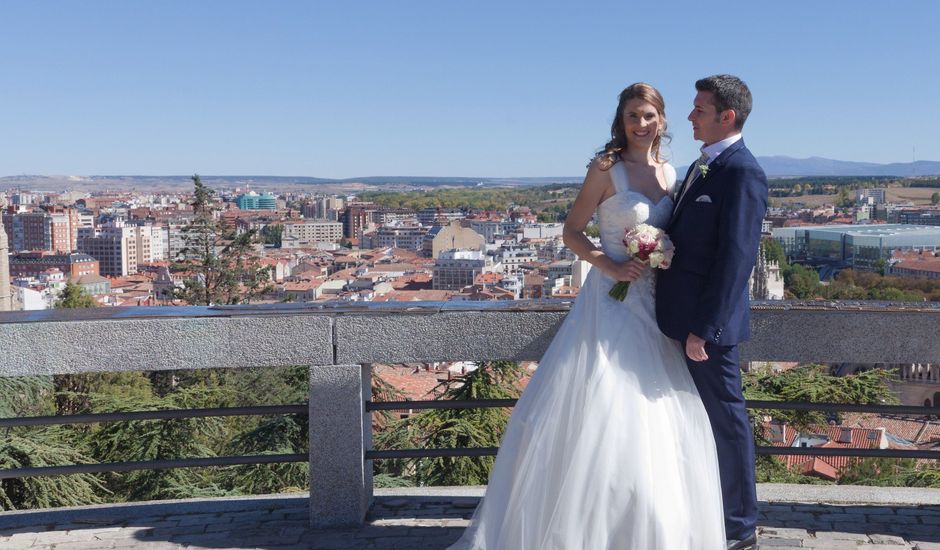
x=596 y=184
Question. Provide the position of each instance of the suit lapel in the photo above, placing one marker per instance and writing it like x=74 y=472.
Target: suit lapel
x=713 y=169
x=685 y=181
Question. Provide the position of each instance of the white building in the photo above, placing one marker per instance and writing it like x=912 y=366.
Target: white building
x=309 y=233
x=543 y=231
x=399 y=234
x=512 y=258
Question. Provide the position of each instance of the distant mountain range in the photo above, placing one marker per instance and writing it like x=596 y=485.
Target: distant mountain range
x=774 y=166
x=780 y=166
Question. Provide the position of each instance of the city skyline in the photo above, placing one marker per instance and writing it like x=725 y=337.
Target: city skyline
x=488 y=90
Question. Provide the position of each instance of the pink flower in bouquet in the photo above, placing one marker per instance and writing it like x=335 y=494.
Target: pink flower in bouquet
x=650 y=245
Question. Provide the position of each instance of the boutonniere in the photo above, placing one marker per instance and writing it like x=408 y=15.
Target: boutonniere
x=703 y=168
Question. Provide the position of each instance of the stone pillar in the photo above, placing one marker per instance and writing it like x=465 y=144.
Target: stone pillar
x=340 y=434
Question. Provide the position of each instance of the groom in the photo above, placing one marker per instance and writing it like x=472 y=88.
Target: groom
x=702 y=300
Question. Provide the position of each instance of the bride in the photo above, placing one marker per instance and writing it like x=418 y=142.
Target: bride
x=609 y=446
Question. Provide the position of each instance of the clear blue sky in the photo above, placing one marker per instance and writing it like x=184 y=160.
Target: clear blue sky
x=431 y=88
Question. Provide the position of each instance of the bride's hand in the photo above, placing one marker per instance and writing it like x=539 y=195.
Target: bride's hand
x=629 y=270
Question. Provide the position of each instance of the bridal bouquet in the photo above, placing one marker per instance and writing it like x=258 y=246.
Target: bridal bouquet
x=650 y=245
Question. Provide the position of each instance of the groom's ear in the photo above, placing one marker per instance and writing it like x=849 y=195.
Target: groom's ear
x=727 y=117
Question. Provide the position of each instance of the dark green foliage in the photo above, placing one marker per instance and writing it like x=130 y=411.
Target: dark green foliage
x=271 y=234
x=34 y=448
x=772 y=469
x=222 y=262
x=474 y=199
x=155 y=440
x=802 y=282
x=550 y=203
x=811 y=384
x=390 y=481
x=275 y=435
x=443 y=428
x=891 y=472
x=25 y=396
x=773 y=252
x=72 y=296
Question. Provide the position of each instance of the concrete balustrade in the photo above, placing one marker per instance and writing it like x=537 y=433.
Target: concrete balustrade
x=338 y=341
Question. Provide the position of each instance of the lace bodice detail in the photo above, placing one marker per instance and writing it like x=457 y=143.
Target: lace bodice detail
x=628 y=208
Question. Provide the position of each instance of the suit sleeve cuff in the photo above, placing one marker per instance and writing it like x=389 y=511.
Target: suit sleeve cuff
x=709 y=333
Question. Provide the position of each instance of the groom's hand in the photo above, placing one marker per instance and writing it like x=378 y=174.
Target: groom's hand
x=695 y=348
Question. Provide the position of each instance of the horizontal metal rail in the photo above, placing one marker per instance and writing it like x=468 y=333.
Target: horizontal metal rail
x=164 y=414
x=151 y=465
x=907 y=410
x=302 y=409
x=751 y=404
x=438 y=404
x=849 y=451
x=431 y=453
x=761 y=450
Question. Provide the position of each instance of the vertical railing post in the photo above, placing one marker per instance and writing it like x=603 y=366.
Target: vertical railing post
x=340 y=434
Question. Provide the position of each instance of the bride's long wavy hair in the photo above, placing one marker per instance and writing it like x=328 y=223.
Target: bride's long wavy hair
x=618 y=137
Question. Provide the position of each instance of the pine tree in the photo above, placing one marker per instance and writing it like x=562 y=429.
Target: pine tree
x=34 y=448
x=445 y=428
x=812 y=384
x=284 y=434
x=27 y=447
x=141 y=440
x=222 y=262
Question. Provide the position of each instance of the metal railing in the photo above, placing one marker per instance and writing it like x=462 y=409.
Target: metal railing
x=374 y=406
x=751 y=404
x=160 y=464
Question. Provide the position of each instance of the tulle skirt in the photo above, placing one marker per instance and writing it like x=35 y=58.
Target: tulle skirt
x=609 y=446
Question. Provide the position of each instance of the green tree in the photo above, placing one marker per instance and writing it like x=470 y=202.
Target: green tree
x=142 y=440
x=812 y=384
x=283 y=434
x=802 y=282
x=72 y=297
x=442 y=428
x=271 y=234
x=935 y=198
x=29 y=447
x=45 y=447
x=844 y=200
x=222 y=263
x=773 y=252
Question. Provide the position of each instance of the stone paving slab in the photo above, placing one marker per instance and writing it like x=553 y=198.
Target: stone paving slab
x=416 y=519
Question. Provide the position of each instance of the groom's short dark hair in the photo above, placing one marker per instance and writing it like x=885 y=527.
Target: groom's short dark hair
x=730 y=92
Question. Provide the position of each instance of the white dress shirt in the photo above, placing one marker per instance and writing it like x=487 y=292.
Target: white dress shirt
x=719 y=147
x=711 y=151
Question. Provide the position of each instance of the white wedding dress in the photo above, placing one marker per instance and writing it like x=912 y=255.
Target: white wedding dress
x=609 y=446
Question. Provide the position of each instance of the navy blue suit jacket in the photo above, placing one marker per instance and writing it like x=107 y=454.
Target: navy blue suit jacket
x=705 y=291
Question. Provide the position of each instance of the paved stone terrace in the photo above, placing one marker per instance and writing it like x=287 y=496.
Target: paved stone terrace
x=791 y=516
